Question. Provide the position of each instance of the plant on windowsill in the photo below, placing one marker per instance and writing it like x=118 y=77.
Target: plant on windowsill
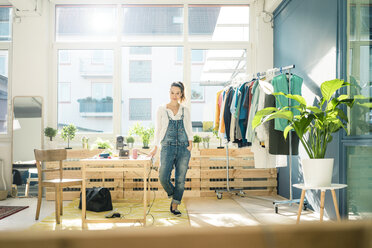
x=50 y=132
x=196 y=140
x=68 y=133
x=314 y=126
x=130 y=141
x=145 y=133
x=219 y=139
x=206 y=140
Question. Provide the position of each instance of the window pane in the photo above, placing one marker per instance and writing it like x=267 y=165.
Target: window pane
x=219 y=68
x=5 y=23
x=197 y=56
x=3 y=91
x=360 y=66
x=152 y=23
x=219 y=23
x=83 y=22
x=140 y=50
x=139 y=71
x=90 y=107
x=140 y=102
x=359 y=178
x=64 y=92
x=140 y=109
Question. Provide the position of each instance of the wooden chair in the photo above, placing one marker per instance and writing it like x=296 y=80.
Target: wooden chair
x=58 y=184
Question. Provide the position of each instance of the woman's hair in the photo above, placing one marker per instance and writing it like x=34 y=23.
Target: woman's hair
x=182 y=88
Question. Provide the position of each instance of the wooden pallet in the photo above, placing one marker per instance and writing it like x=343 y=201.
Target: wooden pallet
x=207 y=172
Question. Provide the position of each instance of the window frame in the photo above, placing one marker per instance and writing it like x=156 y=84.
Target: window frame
x=7 y=46
x=117 y=45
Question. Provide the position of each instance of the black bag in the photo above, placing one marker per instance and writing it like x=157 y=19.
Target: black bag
x=98 y=199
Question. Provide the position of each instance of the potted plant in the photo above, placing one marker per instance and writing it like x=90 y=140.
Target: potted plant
x=145 y=133
x=130 y=141
x=68 y=133
x=206 y=142
x=102 y=144
x=196 y=140
x=50 y=132
x=314 y=127
x=220 y=140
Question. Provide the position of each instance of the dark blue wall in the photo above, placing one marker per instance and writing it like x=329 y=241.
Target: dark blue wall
x=304 y=32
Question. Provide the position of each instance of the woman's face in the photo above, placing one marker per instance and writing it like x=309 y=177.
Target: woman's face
x=175 y=93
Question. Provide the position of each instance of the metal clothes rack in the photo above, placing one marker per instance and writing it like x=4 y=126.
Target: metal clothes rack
x=291 y=200
x=241 y=192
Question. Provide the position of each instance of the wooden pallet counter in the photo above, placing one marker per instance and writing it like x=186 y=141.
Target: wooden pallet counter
x=207 y=172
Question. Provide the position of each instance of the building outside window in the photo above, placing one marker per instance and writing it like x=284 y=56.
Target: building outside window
x=140 y=109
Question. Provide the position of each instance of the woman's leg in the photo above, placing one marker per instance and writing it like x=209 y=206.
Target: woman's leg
x=166 y=167
x=181 y=166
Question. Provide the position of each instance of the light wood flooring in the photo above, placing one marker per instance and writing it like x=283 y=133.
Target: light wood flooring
x=203 y=211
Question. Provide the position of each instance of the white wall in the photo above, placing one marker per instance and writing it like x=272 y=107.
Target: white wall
x=31 y=69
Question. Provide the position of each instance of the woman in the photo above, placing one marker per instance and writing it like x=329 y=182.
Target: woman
x=173 y=131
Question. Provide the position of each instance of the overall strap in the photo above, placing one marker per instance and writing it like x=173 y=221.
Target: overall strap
x=182 y=113
x=166 y=111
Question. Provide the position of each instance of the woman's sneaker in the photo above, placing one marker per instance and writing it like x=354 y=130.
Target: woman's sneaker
x=175 y=212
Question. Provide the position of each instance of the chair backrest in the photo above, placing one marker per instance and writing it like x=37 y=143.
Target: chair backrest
x=49 y=156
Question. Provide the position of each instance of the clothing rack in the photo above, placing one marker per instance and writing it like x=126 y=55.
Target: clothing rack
x=291 y=200
x=241 y=192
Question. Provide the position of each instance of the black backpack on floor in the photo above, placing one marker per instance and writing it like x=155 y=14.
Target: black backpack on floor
x=98 y=199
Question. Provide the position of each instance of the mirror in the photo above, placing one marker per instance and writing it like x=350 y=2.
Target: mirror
x=27 y=135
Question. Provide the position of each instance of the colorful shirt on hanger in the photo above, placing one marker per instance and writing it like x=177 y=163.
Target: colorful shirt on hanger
x=280 y=84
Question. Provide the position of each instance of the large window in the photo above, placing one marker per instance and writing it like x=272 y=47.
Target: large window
x=87 y=101
x=156 y=49
x=359 y=149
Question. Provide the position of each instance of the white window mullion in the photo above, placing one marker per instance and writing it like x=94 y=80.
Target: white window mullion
x=117 y=86
x=186 y=55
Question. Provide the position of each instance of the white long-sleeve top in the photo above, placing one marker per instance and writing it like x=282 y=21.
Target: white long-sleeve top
x=162 y=122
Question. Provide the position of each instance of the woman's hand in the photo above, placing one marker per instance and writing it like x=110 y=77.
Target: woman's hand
x=153 y=152
x=190 y=146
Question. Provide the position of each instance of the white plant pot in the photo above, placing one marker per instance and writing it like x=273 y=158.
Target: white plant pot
x=317 y=172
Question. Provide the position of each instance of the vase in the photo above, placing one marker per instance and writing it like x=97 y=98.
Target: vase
x=130 y=145
x=206 y=145
x=317 y=172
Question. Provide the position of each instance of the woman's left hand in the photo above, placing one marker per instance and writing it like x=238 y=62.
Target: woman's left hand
x=189 y=148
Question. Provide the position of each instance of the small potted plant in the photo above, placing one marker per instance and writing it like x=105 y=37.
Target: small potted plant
x=102 y=144
x=314 y=127
x=68 y=133
x=196 y=140
x=206 y=142
x=50 y=132
x=220 y=140
x=130 y=141
x=145 y=133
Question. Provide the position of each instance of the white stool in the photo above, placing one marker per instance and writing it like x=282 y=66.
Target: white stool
x=322 y=196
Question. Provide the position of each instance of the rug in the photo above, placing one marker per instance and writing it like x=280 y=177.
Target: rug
x=159 y=215
x=6 y=211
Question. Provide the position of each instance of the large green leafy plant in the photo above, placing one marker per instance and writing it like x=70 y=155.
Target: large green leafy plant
x=315 y=123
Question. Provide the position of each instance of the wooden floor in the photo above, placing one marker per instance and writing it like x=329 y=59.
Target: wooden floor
x=203 y=211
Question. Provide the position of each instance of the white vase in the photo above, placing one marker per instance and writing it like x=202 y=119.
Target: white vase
x=317 y=172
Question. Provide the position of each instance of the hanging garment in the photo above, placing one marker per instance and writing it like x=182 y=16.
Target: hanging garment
x=227 y=113
x=262 y=131
x=277 y=143
x=280 y=84
x=221 y=129
x=250 y=135
x=218 y=109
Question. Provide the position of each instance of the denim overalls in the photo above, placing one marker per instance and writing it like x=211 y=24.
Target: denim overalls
x=174 y=154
